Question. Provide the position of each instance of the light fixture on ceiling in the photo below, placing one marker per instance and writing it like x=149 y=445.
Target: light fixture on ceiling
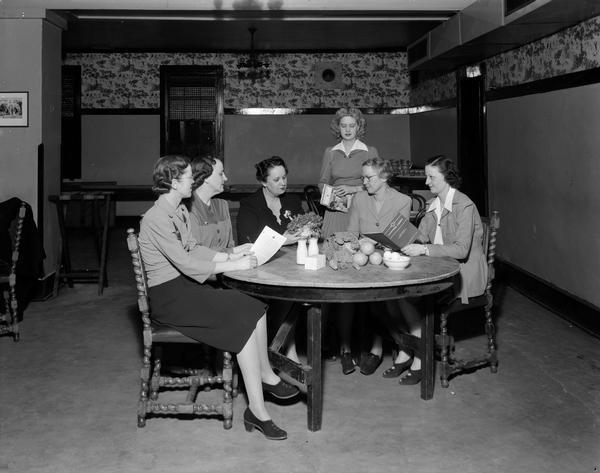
x=252 y=67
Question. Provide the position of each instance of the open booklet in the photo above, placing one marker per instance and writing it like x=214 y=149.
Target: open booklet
x=332 y=201
x=267 y=244
x=397 y=234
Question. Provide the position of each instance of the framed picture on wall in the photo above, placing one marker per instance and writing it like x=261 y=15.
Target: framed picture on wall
x=14 y=108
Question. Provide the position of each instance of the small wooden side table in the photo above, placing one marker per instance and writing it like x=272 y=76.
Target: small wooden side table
x=62 y=202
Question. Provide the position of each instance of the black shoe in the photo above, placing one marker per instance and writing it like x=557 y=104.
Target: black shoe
x=281 y=390
x=348 y=365
x=397 y=369
x=412 y=377
x=369 y=363
x=267 y=427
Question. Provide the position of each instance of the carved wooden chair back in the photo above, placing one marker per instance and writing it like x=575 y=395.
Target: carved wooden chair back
x=419 y=207
x=9 y=320
x=450 y=365
x=155 y=378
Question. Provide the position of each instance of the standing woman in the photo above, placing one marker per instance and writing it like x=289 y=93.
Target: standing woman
x=342 y=164
x=176 y=268
x=341 y=168
x=450 y=227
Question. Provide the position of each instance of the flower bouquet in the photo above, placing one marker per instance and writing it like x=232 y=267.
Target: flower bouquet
x=306 y=225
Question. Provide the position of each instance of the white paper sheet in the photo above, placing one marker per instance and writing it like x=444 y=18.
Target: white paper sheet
x=267 y=244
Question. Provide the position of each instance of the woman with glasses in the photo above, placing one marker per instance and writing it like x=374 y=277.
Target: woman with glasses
x=177 y=268
x=371 y=211
x=341 y=169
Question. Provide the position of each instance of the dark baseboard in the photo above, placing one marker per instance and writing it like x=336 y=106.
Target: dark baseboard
x=577 y=311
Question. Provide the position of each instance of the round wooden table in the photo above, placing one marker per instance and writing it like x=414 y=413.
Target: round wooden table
x=281 y=278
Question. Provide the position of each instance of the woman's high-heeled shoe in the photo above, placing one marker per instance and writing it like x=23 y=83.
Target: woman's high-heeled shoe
x=267 y=427
x=281 y=390
x=398 y=368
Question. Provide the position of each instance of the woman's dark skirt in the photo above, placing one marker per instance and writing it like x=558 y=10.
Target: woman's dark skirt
x=221 y=318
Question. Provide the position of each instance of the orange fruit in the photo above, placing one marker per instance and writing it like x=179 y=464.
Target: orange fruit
x=375 y=258
x=360 y=258
x=367 y=247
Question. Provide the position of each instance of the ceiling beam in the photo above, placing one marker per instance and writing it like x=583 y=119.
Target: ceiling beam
x=243 y=5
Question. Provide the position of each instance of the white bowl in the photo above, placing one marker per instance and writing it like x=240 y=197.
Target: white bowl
x=396 y=264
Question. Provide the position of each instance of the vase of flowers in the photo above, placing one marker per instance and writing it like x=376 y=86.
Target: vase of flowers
x=307 y=227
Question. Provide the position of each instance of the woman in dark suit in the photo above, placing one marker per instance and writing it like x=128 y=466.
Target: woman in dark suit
x=271 y=206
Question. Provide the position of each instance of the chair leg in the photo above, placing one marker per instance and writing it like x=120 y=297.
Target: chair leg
x=155 y=379
x=227 y=391
x=490 y=331
x=444 y=341
x=144 y=386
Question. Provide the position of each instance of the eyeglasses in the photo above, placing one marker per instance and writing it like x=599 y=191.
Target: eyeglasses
x=368 y=178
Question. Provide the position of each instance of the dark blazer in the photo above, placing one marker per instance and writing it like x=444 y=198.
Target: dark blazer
x=254 y=215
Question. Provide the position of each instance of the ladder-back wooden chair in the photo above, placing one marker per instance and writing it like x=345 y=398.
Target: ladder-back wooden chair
x=9 y=320
x=450 y=365
x=312 y=195
x=419 y=207
x=154 y=380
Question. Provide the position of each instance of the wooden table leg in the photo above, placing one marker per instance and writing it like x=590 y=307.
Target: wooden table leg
x=102 y=278
x=61 y=211
x=315 y=382
x=428 y=349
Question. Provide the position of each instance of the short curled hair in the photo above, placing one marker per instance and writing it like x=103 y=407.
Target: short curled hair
x=355 y=113
x=448 y=169
x=383 y=167
x=166 y=169
x=264 y=167
x=201 y=169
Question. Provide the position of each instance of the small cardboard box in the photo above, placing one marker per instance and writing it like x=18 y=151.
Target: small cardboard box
x=314 y=262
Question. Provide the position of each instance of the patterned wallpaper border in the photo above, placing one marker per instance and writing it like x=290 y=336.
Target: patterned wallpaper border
x=371 y=80
x=131 y=80
x=571 y=50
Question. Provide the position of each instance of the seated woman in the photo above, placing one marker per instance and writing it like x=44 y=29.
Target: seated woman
x=209 y=218
x=177 y=267
x=271 y=206
x=451 y=227
x=370 y=212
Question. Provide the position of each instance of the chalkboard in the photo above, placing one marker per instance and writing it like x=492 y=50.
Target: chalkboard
x=300 y=140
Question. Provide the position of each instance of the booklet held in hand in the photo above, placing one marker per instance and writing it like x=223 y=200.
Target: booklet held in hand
x=334 y=202
x=397 y=234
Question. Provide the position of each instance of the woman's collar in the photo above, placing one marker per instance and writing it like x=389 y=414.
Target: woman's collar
x=357 y=145
x=447 y=203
